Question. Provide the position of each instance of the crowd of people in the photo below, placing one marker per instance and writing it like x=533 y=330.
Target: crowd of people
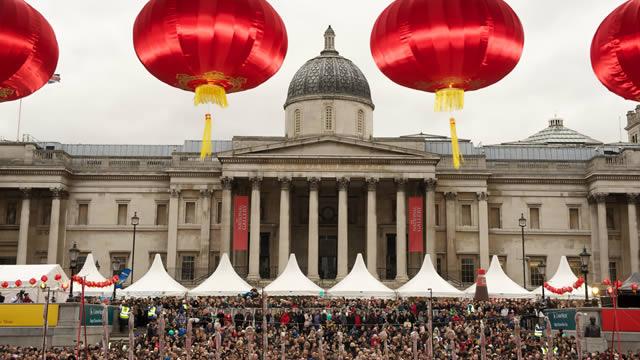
x=319 y=328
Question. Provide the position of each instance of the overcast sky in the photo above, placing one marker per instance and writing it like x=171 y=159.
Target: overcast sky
x=106 y=95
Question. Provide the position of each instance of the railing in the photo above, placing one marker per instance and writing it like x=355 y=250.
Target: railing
x=609 y=162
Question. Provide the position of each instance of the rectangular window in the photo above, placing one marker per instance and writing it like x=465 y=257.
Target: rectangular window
x=161 y=214
x=437 y=210
x=121 y=261
x=394 y=205
x=122 y=214
x=534 y=218
x=575 y=264
x=188 y=267
x=11 y=217
x=536 y=278
x=83 y=214
x=45 y=216
x=440 y=264
x=574 y=218
x=613 y=270
x=190 y=212
x=465 y=219
x=495 y=221
x=503 y=261
x=611 y=218
x=219 y=212
x=468 y=270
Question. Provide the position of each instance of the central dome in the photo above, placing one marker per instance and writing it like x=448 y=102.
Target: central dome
x=329 y=76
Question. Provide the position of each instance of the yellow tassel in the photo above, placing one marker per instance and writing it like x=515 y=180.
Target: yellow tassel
x=455 y=146
x=205 y=149
x=210 y=94
x=449 y=99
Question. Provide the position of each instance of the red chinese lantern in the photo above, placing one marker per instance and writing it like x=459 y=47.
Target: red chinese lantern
x=33 y=281
x=447 y=47
x=28 y=50
x=5 y=284
x=18 y=283
x=115 y=278
x=210 y=47
x=44 y=278
x=606 y=282
x=614 y=51
x=57 y=277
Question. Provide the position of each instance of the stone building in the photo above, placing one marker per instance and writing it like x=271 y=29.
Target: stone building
x=327 y=190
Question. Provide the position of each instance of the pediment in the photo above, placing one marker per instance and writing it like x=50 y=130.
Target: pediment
x=328 y=147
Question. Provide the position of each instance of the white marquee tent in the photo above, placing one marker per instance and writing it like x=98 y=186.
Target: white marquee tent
x=11 y=273
x=156 y=282
x=564 y=276
x=91 y=273
x=500 y=285
x=292 y=282
x=359 y=283
x=428 y=278
x=223 y=282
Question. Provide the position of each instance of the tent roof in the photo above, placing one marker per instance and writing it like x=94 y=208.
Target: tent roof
x=428 y=278
x=292 y=282
x=360 y=283
x=91 y=273
x=11 y=273
x=156 y=282
x=634 y=278
x=500 y=285
x=223 y=282
x=564 y=276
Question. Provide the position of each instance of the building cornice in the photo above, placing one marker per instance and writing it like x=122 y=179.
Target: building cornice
x=36 y=172
x=339 y=161
x=122 y=177
x=537 y=181
x=462 y=176
x=612 y=177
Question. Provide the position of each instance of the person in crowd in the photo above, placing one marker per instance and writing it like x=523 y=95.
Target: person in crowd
x=1 y=298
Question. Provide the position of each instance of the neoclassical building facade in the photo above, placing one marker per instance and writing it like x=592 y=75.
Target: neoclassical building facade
x=326 y=191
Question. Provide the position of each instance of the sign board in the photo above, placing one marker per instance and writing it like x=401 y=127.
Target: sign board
x=416 y=217
x=564 y=319
x=93 y=315
x=27 y=315
x=241 y=223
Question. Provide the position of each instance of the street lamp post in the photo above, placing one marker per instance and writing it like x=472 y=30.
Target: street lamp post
x=135 y=220
x=73 y=263
x=584 y=268
x=523 y=223
x=115 y=266
x=542 y=270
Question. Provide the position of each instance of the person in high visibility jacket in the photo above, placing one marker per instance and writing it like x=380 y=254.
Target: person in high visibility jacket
x=123 y=318
x=544 y=350
x=152 y=313
x=538 y=331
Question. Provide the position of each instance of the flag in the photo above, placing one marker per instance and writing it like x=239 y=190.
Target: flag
x=122 y=278
x=54 y=79
x=416 y=216
x=241 y=223
x=483 y=342
x=518 y=339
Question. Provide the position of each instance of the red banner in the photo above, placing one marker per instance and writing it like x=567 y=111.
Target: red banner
x=241 y=223
x=626 y=320
x=416 y=221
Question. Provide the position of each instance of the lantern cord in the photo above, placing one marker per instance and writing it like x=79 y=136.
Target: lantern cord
x=205 y=149
x=455 y=146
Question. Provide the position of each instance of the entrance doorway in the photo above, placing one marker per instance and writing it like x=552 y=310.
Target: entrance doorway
x=328 y=256
x=265 y=265
x=391 y=258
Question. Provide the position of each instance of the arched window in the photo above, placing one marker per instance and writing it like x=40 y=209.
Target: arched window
x=297 y=122
x=360 y=123
x=328 y=118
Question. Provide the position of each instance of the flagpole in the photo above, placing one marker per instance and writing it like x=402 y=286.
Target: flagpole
x=19 y=120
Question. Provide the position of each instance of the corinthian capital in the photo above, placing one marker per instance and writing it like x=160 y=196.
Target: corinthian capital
x=227 y=182
x=430 y=184
x=450 y=195
x=343 y=183
x=256 y=182
x=600 y=197
x=482 y=196
x=372 y=183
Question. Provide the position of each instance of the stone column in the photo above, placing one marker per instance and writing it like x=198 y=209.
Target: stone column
x=172 y=237
x=343 y=228
x=372 y=227
x=633 y=232
x=401 y=231
x=483 y=229
x=452 y=259
x=254 y=231
x=312 y=261
x=54 y=226
x=205 y=231
x=603 y=235
x=225 y=218
x=284 y=242
x=430 y=219
x=23 y=237
x=595 y=244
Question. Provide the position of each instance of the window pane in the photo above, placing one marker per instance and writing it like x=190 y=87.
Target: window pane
x=83 y=214
x=466 y=215
x=575 y=264
x=46 y=214
x=574 y=219
x=360 y=124
x=190 y=212
x=297 y=121
x=494 y=218
x=188 y=267
x=613 y=270
x=611 y=223
x=437 y=210
x=536 y=278
x=12 y=212
x=468 y=266
x=161 y=214
x=328 y=118
x=121 y=262
x=122 y=214
x=219 y=212
x=534 y=218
